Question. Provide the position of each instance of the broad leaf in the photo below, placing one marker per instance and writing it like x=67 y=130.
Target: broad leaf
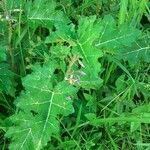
x=39 y=107
x=44 y=13
x=88 y=32
x=63 y=33
x=113 y=37
x=82 y=43
x=123 y=42
x=139 y=52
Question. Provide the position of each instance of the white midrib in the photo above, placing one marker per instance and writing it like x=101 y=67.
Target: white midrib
x=25 y=139
x=83 y=52
x=114 y=39
x=45 y=19
x=48 y=114
x=137 y=50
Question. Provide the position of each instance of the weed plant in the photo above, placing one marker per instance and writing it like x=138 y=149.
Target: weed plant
x=75 y=74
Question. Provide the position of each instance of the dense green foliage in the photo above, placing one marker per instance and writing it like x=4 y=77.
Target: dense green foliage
x=74 y=74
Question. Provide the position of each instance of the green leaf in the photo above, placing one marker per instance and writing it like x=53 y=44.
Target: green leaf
x=82 y=43
x=7 y=83
x=91 y=102
x=39 y=106
x=144 y=88
x=60 y=51
x=63 y=33
x=3 y=29
x=113 y=37
x=139 y=52
x=142 y=109
x=44 y=13
x=15 y=4
x=123 y=41
x=88 y=31
x=2 y=54
x=142 y=118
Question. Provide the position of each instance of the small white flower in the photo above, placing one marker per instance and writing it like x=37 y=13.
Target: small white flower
x=7 y=17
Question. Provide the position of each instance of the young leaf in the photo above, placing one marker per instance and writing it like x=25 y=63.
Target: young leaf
x=88 y=31
x=82 y=43
x=63 y=33
x=39 y=106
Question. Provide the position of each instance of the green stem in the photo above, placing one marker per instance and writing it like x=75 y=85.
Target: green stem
x=9 y=38
x=108 y=72
x=21 y=53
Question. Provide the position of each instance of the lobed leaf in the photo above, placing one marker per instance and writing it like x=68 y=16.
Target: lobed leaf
x=82 y=45
x=39 y=107
x=88 y=32
x=139 y=52
x=44 y=13
x=116 y=37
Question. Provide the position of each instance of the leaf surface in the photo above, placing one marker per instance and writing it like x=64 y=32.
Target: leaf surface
x=139 y=52
x=40 y=104
x=44 y=13
x=116 y=37
x=81 y=41
x=88 y=32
